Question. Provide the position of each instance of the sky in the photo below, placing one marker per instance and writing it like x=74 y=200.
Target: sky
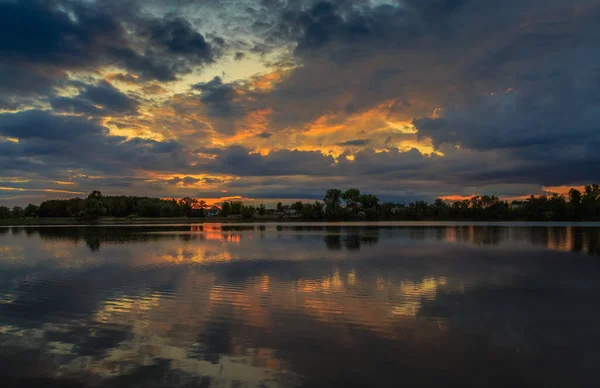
x=284 y=99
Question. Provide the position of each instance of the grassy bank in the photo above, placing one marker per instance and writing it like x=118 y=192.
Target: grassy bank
x=38 y=221
x=118 y=221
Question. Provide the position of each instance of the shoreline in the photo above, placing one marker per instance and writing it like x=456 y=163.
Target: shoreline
x=180 y=221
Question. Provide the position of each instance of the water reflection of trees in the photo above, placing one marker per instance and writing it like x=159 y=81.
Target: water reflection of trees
x=94 y=237
x=374 y=314
x=575 y=239
x=563 y=238
x=336 y=237
x=350 y=238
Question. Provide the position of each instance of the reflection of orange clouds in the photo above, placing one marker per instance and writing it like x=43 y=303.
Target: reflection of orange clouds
x=335 y=296
x=214 y=232
x=327 y=300
x=201 y=254
x=165 y=323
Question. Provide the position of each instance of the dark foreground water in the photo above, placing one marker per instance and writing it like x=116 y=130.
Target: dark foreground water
x=300 y=305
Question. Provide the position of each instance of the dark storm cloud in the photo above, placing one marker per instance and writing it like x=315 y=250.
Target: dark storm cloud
x=557 y=110
x=43 y=39
x=221 y=98
x=52 y=144
x=43 y=32
x=392 y=174
x=507 y=91
x=343 y=24
x=391 y=166
x=188 y=180
x=178 y=36
x=101 y=99
x=43 y=125
x=241 y=161
x=505 y=78
x=479 y=38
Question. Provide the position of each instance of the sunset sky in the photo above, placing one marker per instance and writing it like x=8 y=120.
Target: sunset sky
x=276 y=99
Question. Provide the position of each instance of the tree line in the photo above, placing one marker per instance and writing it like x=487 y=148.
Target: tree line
x=96 y=205
x=336 y=205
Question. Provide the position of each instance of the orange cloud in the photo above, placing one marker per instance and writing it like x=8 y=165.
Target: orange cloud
x=128 y=79
x=267 y=81
x=154 y=89
x=562 y=190
x=456 y=197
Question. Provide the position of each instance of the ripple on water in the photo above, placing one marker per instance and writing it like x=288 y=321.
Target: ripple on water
x=286 y=305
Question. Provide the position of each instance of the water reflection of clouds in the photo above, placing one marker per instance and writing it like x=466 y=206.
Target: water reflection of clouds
x=258 y=310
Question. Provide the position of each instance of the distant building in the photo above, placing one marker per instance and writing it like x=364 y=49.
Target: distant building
x=396 y=210
x=213 y=211
x=517 y=204
x=287 y=213
x=354 y=205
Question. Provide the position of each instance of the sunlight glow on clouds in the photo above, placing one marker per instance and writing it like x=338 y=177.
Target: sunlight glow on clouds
x=284 y=99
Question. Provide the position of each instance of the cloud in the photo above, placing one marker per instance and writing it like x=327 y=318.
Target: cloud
x=45 y=126
x=50 y=144
x=355 y=143
x=186 y=181
x=224 y=104
x=95 y=100
x=219 y=97
x=177 y=36
x=241 y=161
x=45 y=39
x=264 y=135
x=505 y=92
x=425 y=53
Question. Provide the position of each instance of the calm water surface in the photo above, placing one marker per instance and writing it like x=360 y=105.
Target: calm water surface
x=300 y=305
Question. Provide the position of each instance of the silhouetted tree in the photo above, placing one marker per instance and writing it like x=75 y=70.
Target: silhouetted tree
x=554 y=207
x=262 y=209
x=332 y=202
x=4 y=212
x=575 y=204
x=226 y=209
x=351 y=195
x=17 y=212
x=31 y=210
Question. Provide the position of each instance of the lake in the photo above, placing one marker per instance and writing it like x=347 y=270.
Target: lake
x=289 y=305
